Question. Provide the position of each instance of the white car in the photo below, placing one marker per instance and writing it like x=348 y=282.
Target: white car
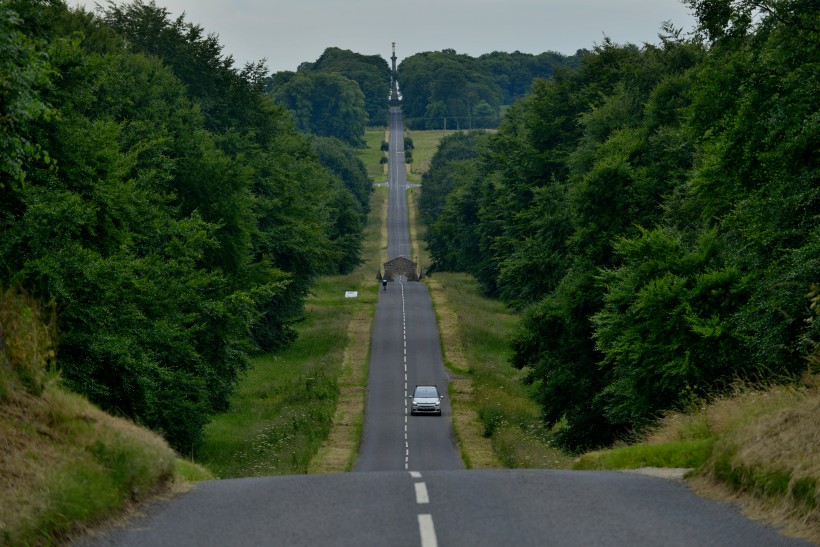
x=425 y=400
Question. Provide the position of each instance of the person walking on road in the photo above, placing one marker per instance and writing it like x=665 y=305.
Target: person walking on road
x=384 y=284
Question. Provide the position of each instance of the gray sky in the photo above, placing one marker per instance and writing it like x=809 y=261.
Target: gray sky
x=289 y=32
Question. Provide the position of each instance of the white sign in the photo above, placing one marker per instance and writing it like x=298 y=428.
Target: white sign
x=351 y=294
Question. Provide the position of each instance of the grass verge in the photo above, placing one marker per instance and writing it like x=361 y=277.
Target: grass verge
x=299 y=410
x=338 y=453
x=491 y=405
x=372 y=153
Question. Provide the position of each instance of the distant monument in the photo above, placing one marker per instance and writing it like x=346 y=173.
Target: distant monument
x=394 y=87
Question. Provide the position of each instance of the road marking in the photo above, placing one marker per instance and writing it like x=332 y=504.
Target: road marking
x=421 y=493
x=427 y=531
x=415 y=474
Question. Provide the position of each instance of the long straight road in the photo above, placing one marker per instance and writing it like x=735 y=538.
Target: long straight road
x=404 y=351
x=410 y=488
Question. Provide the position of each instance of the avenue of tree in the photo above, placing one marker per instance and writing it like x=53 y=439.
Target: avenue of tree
x=655 y=216
x=652 y=211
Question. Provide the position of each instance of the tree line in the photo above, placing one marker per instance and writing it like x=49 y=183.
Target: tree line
x=447 y=90
x=654 y=216
x=343 y=92
x=339 y=95
x=171 y=214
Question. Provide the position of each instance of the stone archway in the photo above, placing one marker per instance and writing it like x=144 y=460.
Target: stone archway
x=400 y=266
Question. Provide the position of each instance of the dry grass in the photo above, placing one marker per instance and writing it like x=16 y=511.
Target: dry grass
x=765 y=452
x=476 y=450
x=338 y=452
x=66 y=465
x=767 y=455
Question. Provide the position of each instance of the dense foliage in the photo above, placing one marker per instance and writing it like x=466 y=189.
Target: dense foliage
x=654 y=214
x=371 y=72
x=323 y=103
x=157 y=197
x=336 y=96
x=446 y=90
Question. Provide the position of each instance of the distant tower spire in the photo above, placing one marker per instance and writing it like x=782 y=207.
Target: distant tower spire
x=394 y=91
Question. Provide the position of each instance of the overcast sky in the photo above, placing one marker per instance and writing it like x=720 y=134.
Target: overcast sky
x=289 y=32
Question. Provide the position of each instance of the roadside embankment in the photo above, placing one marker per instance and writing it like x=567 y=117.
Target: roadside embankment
x=65 y=464
x=757 y=447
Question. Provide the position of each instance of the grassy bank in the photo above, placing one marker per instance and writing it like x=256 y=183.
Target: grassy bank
x=299 y=410
x=492 y=406
x=758 y=447
x=65 y=465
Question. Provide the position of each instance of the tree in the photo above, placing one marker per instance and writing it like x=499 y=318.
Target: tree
x=182 y=220
x=371 y=72
x=23 y=70
x=439 y=85
x=325 y=104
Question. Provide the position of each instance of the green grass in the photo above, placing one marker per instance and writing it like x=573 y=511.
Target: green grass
x=678 y=454
x=372 y=153
x=283 y=408
x=425 y=144
x=189 y=471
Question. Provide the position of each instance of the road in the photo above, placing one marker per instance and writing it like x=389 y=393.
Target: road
x=404 y=351
x=410 y=488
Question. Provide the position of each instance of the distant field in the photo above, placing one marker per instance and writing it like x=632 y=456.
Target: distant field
x=426 y=144
x=372 y=154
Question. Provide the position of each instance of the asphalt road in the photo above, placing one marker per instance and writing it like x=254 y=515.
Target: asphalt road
x=410 y=488
x=404 y=351
x=445 y=508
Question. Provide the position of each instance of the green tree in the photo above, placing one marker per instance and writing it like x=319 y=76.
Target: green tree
x=439 y=85
x=180 y=225
x=325 y=104
x=24 y=69
x=371 y=72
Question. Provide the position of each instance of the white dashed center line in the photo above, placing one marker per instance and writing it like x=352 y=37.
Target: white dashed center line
x=427 y=531
x=421 y=493
x=406 y=392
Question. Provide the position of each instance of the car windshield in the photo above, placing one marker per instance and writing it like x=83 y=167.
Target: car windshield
x=426 y=392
